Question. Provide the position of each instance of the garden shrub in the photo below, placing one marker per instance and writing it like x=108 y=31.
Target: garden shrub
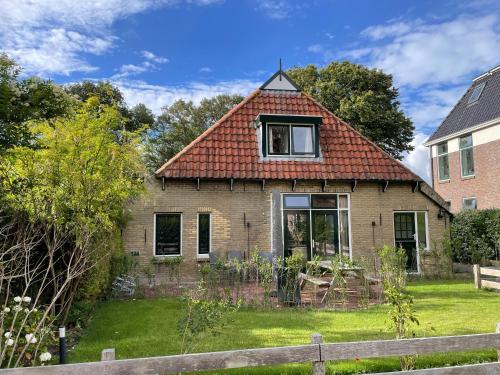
x=401 y=315
x=475 y=236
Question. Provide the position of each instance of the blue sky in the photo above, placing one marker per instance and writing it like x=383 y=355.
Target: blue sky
x=157 y=51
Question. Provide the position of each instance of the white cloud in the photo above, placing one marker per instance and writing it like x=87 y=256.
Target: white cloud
x=275 y=9
x=205 y=69
x=156 y=96
x=418 y=53
x=154 y=58
x=390 y=29
x=418 y=159
x=52 y=36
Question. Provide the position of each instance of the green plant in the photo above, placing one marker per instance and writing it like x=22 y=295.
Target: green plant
x=26 y=334
x=393 y=267
x=401 y=315
x=203 y=316
x=475 y=236
x=288 y=273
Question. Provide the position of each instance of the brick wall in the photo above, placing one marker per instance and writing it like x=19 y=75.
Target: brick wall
x=485 y=185
x=247 y=200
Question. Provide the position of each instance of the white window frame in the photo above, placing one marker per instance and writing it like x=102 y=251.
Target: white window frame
x=291 y=154
x=310 y=209
x=460 y=149
x=198 y=255
x=417 y=242
x=439 y=156
x=463 y=201
x=154 y=234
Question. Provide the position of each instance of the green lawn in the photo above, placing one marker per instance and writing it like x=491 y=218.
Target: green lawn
x=144 y=328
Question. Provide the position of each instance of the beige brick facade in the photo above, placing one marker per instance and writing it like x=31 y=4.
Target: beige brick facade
x=371 y=215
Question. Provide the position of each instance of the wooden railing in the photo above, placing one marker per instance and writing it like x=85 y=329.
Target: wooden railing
x=493 y=282
x=317 y=352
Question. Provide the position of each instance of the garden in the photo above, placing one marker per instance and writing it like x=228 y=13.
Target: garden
x=148 y=327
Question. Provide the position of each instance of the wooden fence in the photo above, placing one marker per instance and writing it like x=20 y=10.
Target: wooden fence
x=493 y=277
x=317 y=352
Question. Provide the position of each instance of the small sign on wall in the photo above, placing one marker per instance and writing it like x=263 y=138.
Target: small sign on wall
x=134 y=253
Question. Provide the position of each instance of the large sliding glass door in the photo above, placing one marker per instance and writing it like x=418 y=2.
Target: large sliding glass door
x=410 y=233
x=316 y=224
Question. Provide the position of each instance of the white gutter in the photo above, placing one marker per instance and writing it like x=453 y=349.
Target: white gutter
x=483 y=125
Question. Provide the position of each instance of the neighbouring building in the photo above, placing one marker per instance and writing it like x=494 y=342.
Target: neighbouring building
x=465 y=148
x=282 y=173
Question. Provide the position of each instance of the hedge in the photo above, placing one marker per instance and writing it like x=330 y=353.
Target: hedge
x=475 y=236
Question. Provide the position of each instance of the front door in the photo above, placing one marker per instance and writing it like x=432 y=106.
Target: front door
x=406 y=237
x=325 y=234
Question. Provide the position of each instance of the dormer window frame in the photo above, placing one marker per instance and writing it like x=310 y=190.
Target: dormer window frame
x=291 y=139
x=267 y=121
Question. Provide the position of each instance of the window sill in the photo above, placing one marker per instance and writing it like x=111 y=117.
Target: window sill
x=468 y=177
x=160 y=257
x=202 y=258
x=444 y=181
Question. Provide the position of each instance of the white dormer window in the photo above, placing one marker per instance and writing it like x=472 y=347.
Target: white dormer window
x=288 y=139
x=289 y=135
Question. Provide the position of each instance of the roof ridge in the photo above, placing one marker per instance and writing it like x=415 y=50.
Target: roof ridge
x=208 y=131
x=363 y=136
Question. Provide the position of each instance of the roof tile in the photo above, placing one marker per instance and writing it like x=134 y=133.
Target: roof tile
x=229 y=148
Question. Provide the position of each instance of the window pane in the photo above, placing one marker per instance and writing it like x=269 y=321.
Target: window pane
x=302 y=139
x=422 y=233
x=476 y=93
x=278 y=139
x=168 y=234
x=444 y=167
x=203 y=233
x=344 y=233
x=442 y=148
x=467 y=159
x=470 y=204
x=343 y=202
x=296 y=201
x=296 y=233
x=466 y=141
x=324 y=201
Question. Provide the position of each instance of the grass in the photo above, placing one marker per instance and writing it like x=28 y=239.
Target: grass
x=144 y=328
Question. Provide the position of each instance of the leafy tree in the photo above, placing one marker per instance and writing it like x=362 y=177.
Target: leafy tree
x=25 y=100
x=363 y=97
x=180 y=123
x=74 y=186
x=133 y=119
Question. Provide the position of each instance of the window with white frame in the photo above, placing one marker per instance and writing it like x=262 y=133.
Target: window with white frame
x=469 y=203
x=443 y=162
x=204 y=234
x=167 y=234
x=466 y=156
x=290 y=139
x=316 y=224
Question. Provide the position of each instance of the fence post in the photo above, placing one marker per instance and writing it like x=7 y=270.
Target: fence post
x=108 y=355
x=318 y=366
x=477 y=276
x=498 y=349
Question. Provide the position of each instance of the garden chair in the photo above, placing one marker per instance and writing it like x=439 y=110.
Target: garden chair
x=266 y=256
x=124 y=285
x=213 y=257
x=235 y=255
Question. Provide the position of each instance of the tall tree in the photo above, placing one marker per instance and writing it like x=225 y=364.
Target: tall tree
x=365 y=98
x=135 y=118
x=23 y=100
x=180 y=123
x=75 y=187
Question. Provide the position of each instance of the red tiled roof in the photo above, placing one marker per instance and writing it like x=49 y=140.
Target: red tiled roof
x=230 y=149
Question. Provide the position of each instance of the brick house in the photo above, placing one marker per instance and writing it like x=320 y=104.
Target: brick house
x=281 y=173
x=465 y=148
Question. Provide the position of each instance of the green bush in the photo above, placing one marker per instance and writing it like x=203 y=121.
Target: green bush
x=475 y=236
